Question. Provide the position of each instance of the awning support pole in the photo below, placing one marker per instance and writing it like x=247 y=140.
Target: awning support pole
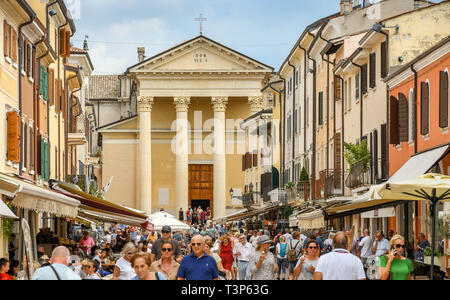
x=433 y=230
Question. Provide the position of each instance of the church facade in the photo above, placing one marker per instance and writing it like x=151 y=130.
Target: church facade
x=185 y=145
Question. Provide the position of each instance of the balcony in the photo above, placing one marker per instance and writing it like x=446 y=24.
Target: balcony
x=364 y=174
x=333 y=184
x=250 y=199
x=79 y=130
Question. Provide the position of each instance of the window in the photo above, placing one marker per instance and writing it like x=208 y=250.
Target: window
x=31 y=145
x=384 y=61
x=424 y=108
x=332 y=99
x=364 y=79
x=443 y=99
x=350 y=93
x=357 y=86
x=345 y=95
x=295 y=121
x=320 y=108
x=24 y=143
x=372 y=75
x=289 y=123
x=30 y=61
x=297 y=77
x=411 y=130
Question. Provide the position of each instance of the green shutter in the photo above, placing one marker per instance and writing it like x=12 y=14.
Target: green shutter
x=42 y=80
x=42 y=159
x=46 y=86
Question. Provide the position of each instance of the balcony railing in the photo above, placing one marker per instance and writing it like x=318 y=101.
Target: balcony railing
x=250 y=199
x=333 y=183
x=365 y=174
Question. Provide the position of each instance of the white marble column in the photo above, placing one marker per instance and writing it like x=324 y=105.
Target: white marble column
x=220 y=192
x=181 y=150
x=145 y=153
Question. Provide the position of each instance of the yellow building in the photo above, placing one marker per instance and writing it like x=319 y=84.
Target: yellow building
x=185 y=146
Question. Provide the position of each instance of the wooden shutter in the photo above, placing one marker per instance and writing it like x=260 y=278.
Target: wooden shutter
x=47 y=160
x=384 y=151
x=51 y=86
x=337 y=151
x=424 y=108
x=375 y=154
x=337 y=88
x=255 y=159
x=41 y=80
x=5 y=38
x=403 y=118
x=13 y=44
x=372 y=60
x=67 y=41
x=13 y=136
x=393 y=122
x=320 y=108
x=384 y=59
x=364 y=79
x=243 y=163
x=46 y=88
x=443 y=99
x=62 y=42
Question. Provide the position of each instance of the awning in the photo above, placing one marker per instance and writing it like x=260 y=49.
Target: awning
x=379 y=213
x=8 y=187
x=36 y=198
x=419 y=164
x=104 y=216
x=93 y=203
x=232 y=215
x=252 y=213
x=311 y=220
x=5 y=212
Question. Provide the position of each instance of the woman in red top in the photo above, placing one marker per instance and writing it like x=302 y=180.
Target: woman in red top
x=4 y=267
x=226 y=254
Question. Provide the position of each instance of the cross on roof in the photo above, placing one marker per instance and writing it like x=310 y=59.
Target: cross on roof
x=201 y=19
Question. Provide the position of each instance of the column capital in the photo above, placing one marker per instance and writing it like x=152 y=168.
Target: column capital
x=256 y=103
x=145 y=103
x=219 y=103
x=181 y=103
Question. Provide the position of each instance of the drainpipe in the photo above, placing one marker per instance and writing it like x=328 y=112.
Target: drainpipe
x=293 y=120
x=361 y=101
x=304 y=99
x=32 y=16
x=314 y=104
x=284 y=133
x=342 y=137
x=415 y=108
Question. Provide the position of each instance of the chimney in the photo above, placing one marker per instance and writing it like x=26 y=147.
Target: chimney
x=141 y=53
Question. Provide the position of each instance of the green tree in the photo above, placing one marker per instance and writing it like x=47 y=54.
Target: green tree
x=357 y=154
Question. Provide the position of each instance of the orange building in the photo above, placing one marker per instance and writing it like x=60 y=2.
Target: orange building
x=419 y=134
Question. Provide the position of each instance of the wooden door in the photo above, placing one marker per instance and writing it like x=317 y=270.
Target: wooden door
x=201 y=184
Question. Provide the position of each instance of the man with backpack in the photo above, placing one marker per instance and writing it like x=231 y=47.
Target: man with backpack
x=294 y=249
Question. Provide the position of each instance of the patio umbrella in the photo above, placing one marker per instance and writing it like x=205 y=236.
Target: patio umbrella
x=429 y=187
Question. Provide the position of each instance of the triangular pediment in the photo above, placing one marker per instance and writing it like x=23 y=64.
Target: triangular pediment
x=120 y=125
x=200 y=55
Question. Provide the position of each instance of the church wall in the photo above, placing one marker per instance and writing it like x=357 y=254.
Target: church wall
x=163 y=176
x=119 y=160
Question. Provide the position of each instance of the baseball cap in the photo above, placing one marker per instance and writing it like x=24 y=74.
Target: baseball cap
x=166 y=228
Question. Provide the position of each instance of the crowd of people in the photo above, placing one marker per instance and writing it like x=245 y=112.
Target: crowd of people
x=214 y=252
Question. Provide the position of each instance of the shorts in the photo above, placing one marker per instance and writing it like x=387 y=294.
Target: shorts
x=189 y=218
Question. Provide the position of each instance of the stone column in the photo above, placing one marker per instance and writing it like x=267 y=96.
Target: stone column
x=220 y=193
x=181 y=150
x=145 y=153
x=256 y=104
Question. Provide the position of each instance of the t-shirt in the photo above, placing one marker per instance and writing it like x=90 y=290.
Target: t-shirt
x=366 y=246
x=156 y=249
x=126 y=270
x=382 y=246
x=400 y=268
x=64 y=272
x=193 y=268
x=158 y=276
x=281 y=250
x=4 y=276
x=340 y=265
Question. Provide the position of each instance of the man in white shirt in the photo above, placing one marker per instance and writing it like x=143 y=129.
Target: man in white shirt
x=58 y=270
x=243 y=251
x=339 y=264
x=254 y=238
x=381 y=245
x=366 y=245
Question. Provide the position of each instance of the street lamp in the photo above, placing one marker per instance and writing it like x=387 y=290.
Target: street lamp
x=231 y=193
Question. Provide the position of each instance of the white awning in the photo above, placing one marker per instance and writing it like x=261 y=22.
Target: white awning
x=311 y=220
x=36 y=198
x=8 y=187
x=379 y=213
x=5 y=212
x=419 y=164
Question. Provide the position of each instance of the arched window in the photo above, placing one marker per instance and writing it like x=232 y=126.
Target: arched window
x=411 y=130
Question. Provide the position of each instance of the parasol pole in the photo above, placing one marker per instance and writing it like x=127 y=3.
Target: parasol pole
x=433 y=230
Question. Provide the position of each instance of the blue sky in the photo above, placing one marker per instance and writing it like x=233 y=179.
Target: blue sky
x=265 y=30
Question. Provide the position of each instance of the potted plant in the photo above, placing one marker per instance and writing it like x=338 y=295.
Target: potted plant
x=439 y=258
x=302 y=184
x=290 y=190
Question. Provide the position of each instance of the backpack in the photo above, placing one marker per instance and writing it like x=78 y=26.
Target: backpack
x=283 y=250
x=292 y=253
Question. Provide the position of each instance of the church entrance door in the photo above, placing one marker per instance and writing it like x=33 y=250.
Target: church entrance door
x=201 y=186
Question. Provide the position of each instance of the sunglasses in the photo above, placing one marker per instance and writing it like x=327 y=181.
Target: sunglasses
x=165 y=231
x=400 y=246
x=131 y=253
x=166 y=249
x=312 y=247
x=196 y=244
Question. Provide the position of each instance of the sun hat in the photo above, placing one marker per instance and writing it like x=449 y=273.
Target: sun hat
x=264 y=239
x=166 y=228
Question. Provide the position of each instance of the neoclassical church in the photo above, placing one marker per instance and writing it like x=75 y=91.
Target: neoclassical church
x=184 y=145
